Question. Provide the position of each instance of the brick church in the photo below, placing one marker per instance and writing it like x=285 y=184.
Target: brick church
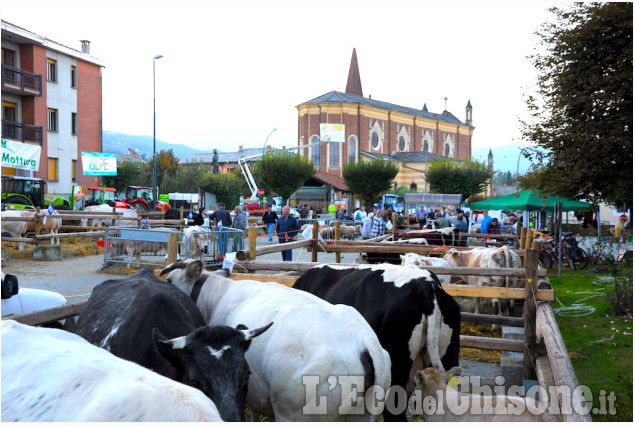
x=373 y=128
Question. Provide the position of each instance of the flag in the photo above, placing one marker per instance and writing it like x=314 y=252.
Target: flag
x=50 y=209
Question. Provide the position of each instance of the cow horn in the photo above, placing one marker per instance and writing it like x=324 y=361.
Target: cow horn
x=252 y=333
x=173 y=266
x=178 y=343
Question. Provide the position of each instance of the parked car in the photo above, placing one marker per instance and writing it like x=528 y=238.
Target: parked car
x=17 y=300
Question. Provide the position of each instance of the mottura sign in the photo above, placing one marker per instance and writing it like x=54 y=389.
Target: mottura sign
x=20 y=155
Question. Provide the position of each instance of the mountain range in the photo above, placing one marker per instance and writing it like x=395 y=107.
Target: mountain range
x=114 y=142
x=506 y=158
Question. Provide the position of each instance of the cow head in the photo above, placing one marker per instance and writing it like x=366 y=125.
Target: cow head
x=453 y=257
x=183 y=274
x=213 y=360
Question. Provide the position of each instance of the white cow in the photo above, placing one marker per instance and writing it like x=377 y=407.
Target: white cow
x=51 y=223
x=17 y=229
x=102 y=222
x=441 y=389
x=197 y=237
x=425 y=262
x=50 y=375
x=302 y=360
x=487 y=258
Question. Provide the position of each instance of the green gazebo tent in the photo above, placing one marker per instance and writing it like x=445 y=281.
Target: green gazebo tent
x=528 y=200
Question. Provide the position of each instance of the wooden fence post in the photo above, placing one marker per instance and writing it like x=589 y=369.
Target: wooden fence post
x=529 y=313
x=173 y=247
x=139 y=216
x=394 y=224
x=338 y=255
x=314 y=243
x=251 y=241
x=182 y=213
x=38 y=226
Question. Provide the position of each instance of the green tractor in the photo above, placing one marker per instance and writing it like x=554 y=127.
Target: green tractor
x=28 y=193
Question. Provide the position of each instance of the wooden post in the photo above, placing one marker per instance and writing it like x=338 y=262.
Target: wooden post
x=173 y=247
x=338 y=255
x=181 y=218
x=394 y=224
x=522 y=231
x=114 y=211
x=139 y=216
x=251 y=242
x=314 y=243
x=529 y=313
x=38 y=226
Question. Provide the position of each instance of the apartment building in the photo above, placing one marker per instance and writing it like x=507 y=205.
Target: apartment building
x=52 y=98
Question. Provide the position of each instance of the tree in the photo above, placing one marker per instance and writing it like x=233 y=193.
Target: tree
x=466 y=178
x=284 y=172
x=167 y=165
x=583 y=114
x=186 y=178
x=129 y=173
x=368 y=179
x=226 y=187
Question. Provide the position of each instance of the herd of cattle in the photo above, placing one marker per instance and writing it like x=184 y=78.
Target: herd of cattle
x=200 y=346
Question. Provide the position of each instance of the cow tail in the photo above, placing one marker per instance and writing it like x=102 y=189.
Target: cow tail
x=376 y=363
x=432 y=337
x=507 y=263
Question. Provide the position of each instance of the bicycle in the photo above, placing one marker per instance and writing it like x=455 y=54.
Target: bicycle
x=572 y=255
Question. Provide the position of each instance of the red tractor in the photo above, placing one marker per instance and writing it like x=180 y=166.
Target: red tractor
x=142 y=196
x=103 y=195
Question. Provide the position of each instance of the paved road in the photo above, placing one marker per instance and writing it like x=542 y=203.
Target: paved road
x=75 y=277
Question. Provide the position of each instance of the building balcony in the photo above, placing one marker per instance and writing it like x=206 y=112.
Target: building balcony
x=21 y=132
x=21 y=82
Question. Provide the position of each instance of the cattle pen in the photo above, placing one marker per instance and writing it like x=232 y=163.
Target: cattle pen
x=545 y=357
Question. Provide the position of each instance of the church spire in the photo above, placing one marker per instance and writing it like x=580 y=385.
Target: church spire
x=354 y=82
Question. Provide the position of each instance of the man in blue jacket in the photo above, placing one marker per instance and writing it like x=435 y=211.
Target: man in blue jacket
x=286 y=228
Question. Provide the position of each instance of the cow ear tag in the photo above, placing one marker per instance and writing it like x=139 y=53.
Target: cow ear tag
x=453 y=381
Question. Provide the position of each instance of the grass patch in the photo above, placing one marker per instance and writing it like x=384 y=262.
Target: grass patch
x=599 y=342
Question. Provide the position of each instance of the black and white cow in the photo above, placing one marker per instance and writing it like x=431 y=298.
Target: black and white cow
x=416 y=321
x=145 y=320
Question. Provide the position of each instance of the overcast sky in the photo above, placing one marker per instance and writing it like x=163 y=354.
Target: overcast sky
x=232 y=72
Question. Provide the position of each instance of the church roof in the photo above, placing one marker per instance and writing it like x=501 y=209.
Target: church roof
x=339 y=97
x=409 y=157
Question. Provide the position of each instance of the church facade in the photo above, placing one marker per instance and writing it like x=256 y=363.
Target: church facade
x=376 y=128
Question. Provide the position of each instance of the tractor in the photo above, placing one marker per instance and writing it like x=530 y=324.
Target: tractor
x=28 y=193
x=142 y=196
x=103 y=195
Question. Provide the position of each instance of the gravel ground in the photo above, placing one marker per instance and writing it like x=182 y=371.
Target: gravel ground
x=76 y=277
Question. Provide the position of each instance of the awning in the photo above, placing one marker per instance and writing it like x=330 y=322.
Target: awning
x=527 y=200
x=432 y=198
x=311 y=193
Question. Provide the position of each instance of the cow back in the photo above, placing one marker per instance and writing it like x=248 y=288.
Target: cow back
x=120 y=315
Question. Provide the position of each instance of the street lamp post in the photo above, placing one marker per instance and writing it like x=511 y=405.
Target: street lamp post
x=264 y=148
x=154 y=132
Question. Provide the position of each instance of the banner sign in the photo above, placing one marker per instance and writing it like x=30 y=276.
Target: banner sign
x=332 y=133
x=99 y=164
x=20 y=155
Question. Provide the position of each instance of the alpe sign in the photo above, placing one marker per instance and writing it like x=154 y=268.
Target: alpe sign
x=20 y=155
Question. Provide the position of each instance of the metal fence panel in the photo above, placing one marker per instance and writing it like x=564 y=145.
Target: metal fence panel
x=148 y=247
x=212 y=245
